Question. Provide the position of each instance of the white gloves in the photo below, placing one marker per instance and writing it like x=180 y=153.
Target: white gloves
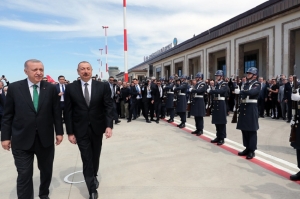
x=208 y=90
x=292 y=122
x=190 y=89
x=295 y=97
x=237 y=91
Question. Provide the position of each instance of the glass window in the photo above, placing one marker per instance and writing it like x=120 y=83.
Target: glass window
x=250 y=61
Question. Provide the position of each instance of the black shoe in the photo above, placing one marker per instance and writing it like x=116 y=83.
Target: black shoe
x=262 y=116
x=199 y=133
x=148 y=121
x=157 y=121
x=243 y=153
x=288 y=121
x=295 y=177
x=152 y=119
x=163 y=117
x=179 y=124
x=216 y=140
x=273 y=118
x=170 y=121
x=182 y=125
x=195 y=132
x=44 y=197
x=128 y=121
x=221 y=142
x=134 y=118
x=94 y=195
x=250 y=155
x=117 y=122
x=96 y=182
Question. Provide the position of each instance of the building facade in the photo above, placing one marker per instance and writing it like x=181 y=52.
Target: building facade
x=266 y=37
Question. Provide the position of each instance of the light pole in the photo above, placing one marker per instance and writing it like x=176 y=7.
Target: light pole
x=100 y=61
x=105 y=27
x=125 y=42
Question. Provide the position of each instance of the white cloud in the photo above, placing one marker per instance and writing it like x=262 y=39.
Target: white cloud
x=151 y=24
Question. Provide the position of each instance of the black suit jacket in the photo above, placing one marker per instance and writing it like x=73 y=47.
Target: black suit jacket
x=2 y=102
x=21 y=123
x=78 y=115
x=287 y=91
x=58 y=89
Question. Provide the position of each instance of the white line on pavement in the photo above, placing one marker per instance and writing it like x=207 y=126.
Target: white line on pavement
x=237 y=146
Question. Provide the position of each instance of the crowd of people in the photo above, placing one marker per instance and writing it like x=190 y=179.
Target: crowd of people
x=90 y=114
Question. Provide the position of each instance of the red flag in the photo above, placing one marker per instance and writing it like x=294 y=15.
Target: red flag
x=50 y=79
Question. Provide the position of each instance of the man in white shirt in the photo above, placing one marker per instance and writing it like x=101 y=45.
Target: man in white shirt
x=60 y=87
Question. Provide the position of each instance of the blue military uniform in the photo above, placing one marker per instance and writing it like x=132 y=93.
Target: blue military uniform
x=248 y=114
x=219 y=109
x=198 y=106
x=170 y=100
x=181 y=103
x=296 y=144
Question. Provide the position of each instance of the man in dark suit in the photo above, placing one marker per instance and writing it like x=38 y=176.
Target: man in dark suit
x=133 y=101
x=157 y=96
x=60 y=87
x=2 y=101
x=88 y=114
x=262 y=97
x=31 y=113
x=287 y=97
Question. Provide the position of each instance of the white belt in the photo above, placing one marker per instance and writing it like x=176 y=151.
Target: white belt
x=219 y=98
x=199 y=96
x=170 y=92
x=249 y=101
x=181 y=93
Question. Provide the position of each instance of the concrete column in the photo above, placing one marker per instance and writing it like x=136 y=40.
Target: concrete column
x=211 y=65
x=292 y=58
x=241 y=63
x=264 y=69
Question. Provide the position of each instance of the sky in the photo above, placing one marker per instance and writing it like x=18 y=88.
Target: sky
x=63 y=33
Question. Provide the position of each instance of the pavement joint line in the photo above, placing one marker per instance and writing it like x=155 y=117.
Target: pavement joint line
x=289 y=164
x=268 y=165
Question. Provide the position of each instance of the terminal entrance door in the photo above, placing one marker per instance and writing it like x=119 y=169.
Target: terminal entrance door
x=167 y=70
x=222 y=66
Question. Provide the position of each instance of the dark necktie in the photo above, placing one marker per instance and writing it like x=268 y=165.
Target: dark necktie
x=63 y=89
x=86 y=94
x=35 y=97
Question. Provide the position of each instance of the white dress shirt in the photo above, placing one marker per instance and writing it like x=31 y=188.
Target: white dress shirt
x=62 y=96
x=89 y=87
x=30 y=86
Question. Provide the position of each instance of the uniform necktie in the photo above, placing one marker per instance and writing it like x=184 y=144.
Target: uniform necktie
x=86 y=94
x=63 y=89
x=35 y=97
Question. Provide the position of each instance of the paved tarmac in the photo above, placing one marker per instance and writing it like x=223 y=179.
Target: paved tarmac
x=161 y=161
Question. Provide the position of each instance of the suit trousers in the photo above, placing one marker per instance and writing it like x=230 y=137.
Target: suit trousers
x=0 y=121
x=157 y=106
x=90 y=149
x=182 y=116
x=24 y=164
x=171 y=112
x=250 y=140
x=116 y=117
x=146 y=106
x=199 y=123
x=283 y=105
x=261 y=106
x=132 y=109
x=122 y=106
x=289 y=110
x=298 y=157
x=221 y=131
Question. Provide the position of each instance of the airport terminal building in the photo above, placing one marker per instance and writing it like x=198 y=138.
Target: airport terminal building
x=266 y=37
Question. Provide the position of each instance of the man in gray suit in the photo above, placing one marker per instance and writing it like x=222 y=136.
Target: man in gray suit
x=281 y=100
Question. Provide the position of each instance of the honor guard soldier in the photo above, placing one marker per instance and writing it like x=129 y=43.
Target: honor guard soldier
x=295 y=122
x=181 y=90
x=219 y=110
x=198 y=104
x=248 y=112
x=170 y=98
